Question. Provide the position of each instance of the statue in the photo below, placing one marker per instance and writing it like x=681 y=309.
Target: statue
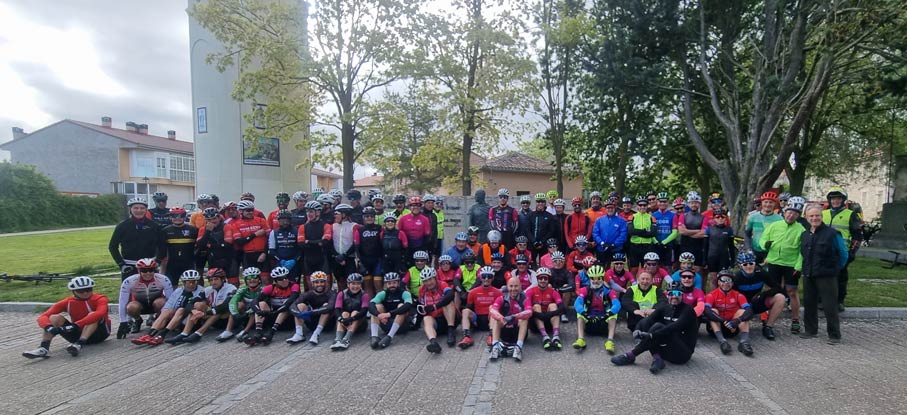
x=478 y=216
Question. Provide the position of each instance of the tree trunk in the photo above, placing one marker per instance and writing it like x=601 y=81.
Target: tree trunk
x=467 y=151
x=469 y=110
x=347 y=139
x=623 y=156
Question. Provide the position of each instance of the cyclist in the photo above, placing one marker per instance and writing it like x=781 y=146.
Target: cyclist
x=469 y=270
x=764 y=294
x=719 y=244
x=394 y=247
x=143 y=293
x=782 y=200
x=283 y=245
x=562 y=280
x=336 y=195
x=213 y=308
x=595 y=210
x=283 y=203
x=620 y=278
x=669 y=333
x=545 y=260
x=500 y=272
x=757 y=221
x=178 y=307
x=849 y=224
x=299 y=217
x=478 y=305
x=651 y=265
x=493 y=246
x=212 y=241
x=241 y=306
x=178 y=245
x=521 y=272
x=694 y=297
x=576 y=257
x=160 y=213
x=314 y=237
x=273 y=306
x=314 y=309
x=350 y=309
x=522 y=248
x=577 y=223
x=641 y=299
x=597 y=308
x=715 y=203
x=729 y=313
x=327 y=208
x=367 y=244
x=559 y=206
x=582 y=277
x=666 y=231
x=509 y=320
x=436 y=302
x=389 y=309
x=459 y=249
x=250 y=235
x=247 y=196
x=687 y=261
x=781 y=243
x=503 y=218
x=412 y=280
x=452 y=276
x=399 y=206
x=552 y=197
x=134 y=238
x=230 y=212
x=428 y=209
x=546 y=305
x=626 y=209
x=416 y=226
x=354 y=197
x=85 y=322
x=378 y=203
x=690 y=227
x=610 y=233
x=203 y=201
x=343 y=255
x=472 y=241
x=523 y=216
x=641 y=231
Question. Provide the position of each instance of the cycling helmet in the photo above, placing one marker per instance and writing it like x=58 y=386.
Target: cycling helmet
x=300 y=195
x=542 y=271
x=159 y=197
x=540 y=197
x=146 y=263
x=522 y=239
x=687 y=257
x=312 y=205
x=560 y=202
x=725 y=272
x=652 y=193
x=210 y=213
x=486 y=270
x=469 y=256
x=399 y=198
x=415 y=200
x=472 y=230
x=216 y=272
x=612 y=201
x=552 y=194
x=203 y=198
x=745 y=256
x=214 y=199
x=80 y=283
x=136 y=201
x=391 y=276
x=651 y=256
x=595 y=194
x=770 y=196
x=445 y=258
x=250 y=273
x=461 y=236
x=335 y=193
x=615 y=195
x=428 y=273
x=245 y=204
x=525 y=199
x=343 y=208
x=576 y=201
x=428 y=197
x=581 y=239
x=522 y=259
x=618 y=257
x=284 y=214
x=557 y=256
x=642 y=199
x=784 y=196
x=178 y=212
x=589 y=261
x=423 y=255
x=282 y=197
x=377 y=196
x=836 y=191
x=503 y=192
x=318 y=276
x=247 y=196
x=662 y=196
x=229 y=205
x=676 y=287
x=494 y=236
x=279 y=273
x=551 y=242
x=497 y=256
x=627 y=199
x=693 y=197
x=692 y=193
x=389 y=216
x=369 y=211
x=596 y=271
x=353 y=194
x=325 y=199
x=795 y=203
x=190 y=275
x=354 y=278
x=678 y=202
x=719 y=212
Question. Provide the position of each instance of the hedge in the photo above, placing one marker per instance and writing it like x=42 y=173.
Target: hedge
x=29 y=202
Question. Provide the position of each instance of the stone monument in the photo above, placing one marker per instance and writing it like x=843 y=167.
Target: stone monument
x=894 y=215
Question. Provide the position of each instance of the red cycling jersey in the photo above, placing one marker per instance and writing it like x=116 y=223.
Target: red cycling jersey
x=243 y=228
x=481 y=298
x=726 y=304
x=449 y=276
x=542 y=296
x=624 y=280
x=81 y=312
x=696 y=299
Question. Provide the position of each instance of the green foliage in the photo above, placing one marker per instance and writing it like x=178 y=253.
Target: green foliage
x=29 y=201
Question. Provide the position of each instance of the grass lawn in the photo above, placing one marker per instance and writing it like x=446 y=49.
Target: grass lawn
x=51 y=292
x=55 y=252
x=870 y=285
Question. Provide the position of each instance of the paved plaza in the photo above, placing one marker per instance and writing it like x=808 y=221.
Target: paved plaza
x=867 y=373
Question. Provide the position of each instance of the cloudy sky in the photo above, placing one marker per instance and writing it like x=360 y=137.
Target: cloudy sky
x=83 y=59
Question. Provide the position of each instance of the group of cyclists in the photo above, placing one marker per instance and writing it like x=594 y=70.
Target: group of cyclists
x=662 y=266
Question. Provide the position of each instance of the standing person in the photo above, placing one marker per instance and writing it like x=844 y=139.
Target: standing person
x=394 y=247
x=542 y=227
x=523 y=216
x=369 y=253
x=561 y=216
x=160 y=213
x=314 y=237
x=666 y=231
x=503 y=218
x=399 y=206
x=849 y=224
x=203 y=201
x=134 y=238
x=692 y=233
x=719 y=246
x=250 y=235
x=178 y=246
x=299 y=217
x=327 y=208
x=344 y=255
x=85 y=321
x=626 y=209
x=283 y=203
x=609 y=233
x=378 y=204
x=478 y=216
x=824 y=254
x=642 y=231
x=283 y=245
x=595 y=210
x=432 y=205
x=552 y=197
x=416 y=226
x=757 y=221
x=211 y=240
x=577 y=223
x=354 y=197
x=428 y=209
x=781 y=242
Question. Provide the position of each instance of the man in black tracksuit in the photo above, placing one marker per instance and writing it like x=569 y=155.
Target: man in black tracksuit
x=134 y=238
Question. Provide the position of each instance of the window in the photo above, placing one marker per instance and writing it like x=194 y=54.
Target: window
x=161 y=167
x=182 y=169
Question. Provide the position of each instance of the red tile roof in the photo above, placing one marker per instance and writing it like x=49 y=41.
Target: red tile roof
x=325 y=173
x=142 y=140
x=370 y=181
x=518 y=162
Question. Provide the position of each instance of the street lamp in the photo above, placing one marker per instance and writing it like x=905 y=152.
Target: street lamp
x=147 y=189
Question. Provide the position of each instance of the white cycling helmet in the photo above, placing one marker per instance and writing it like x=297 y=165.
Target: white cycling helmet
x=300 y=195
x=494 y=236
x=560 y=202
x=503 y=192
x=420 y=255
x=651 y=256
x=279 y=272
x=80 y=283
x=245 y=204
x=796 y=203
x=557 y=256
x=687 y=257
x=445 y=258
x=251 y=272
x=542 y=271
x=190 y=275
x=325 y=198
x=136 y=201
x=581 y=239
x=486 y=270
x=428 y=273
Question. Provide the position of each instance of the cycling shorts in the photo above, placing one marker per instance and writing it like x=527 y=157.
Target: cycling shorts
x=72 y=332
x=786 y=275
x=480 y=322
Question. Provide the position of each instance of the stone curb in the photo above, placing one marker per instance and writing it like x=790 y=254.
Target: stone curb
x=859 y=313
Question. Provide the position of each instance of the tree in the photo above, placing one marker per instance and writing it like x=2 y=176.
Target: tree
x=356 y=47
x=478 y=59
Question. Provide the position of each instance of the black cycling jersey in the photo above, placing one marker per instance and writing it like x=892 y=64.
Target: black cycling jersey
x=160 y=215
x=370 y=242
x=220 y=253
x=282 y=243
x=179 y=243
x=134 y=239
x=298 y=218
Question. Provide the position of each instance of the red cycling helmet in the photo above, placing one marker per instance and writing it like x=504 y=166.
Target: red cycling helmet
x=770 y=196
x=415 y=200
x=678 y=202
x=146 y=263
x=577 y=200
x=177 y=211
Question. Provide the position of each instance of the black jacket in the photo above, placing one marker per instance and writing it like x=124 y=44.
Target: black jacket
x=821 y=251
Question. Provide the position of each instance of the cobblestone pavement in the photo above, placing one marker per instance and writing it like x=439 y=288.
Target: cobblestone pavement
x=865 y=374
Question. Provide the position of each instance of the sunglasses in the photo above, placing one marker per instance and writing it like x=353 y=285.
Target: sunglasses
x=84 y=290
x=748 y=264
x=248 y=210
x=651 y=264
x=542 y=278
x=421 y=260
x=673 y=293
x=487 y=276
x=725 y=280
x=686 y=277
x=581 y=244
x=524 y=203
x=642 y=205
x=720 y=217
x=147 y=270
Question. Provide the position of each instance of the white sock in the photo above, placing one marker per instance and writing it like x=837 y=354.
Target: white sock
x=375 y=329
x=318 y=331
x=299 y=330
